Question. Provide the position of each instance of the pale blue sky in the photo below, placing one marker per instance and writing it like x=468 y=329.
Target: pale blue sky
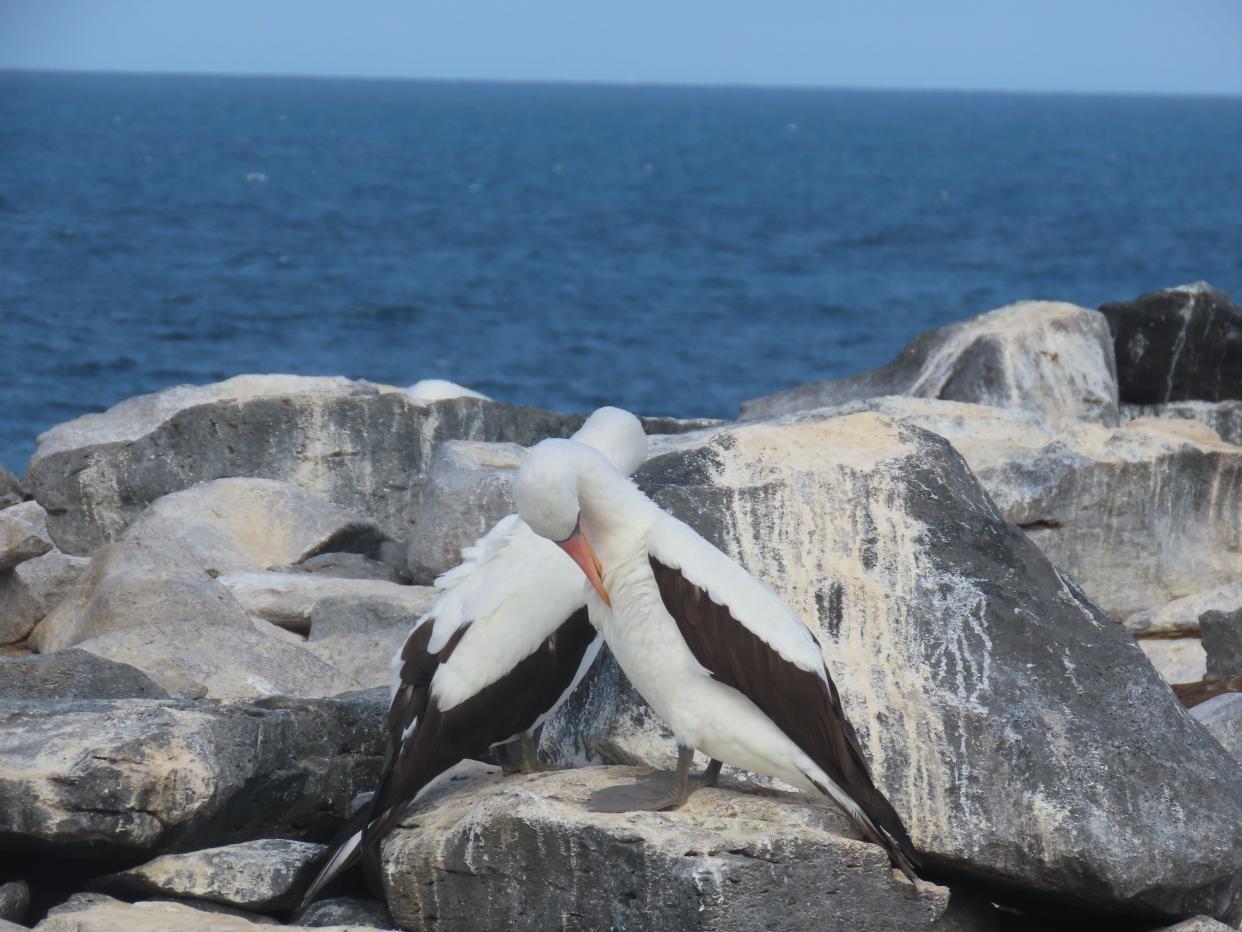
x=1179 y=46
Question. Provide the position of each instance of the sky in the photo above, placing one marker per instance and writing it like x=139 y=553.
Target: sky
x=1162 y=46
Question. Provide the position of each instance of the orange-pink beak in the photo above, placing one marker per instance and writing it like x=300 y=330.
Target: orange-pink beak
x=578 y=546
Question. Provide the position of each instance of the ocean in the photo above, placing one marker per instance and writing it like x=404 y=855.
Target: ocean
x=674 y=250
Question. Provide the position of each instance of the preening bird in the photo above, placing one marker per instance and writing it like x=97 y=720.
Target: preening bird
x=501 y=648
x=717 y=654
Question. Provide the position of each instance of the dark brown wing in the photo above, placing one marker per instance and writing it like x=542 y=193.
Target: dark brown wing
x=803 y=705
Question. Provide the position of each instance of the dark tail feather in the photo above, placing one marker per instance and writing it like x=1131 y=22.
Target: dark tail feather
x=877 y=820
x=345 y=852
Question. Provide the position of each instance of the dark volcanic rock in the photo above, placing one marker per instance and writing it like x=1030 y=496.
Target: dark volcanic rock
x=1221 y=633
x=72 y=674
x=14 y=900
x=140 y=776
x=1179 y=344
x=1047 y=357
x=360 y=446
x=1222 y=716
x=347 y=911
x=1020 y=731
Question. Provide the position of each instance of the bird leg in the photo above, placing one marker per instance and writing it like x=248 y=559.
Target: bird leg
x=711 y=775
x=521 y=756
x=650 y=794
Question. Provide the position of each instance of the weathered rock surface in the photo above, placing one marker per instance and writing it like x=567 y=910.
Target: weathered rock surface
x=14 y=900
x=23 y=534
x=351 y=911
x=189 y=661
x=1182 y=343
x=1181 y=616
x=32 y=589
x=1222 y=642
x=360 y=446
x=1223 y=417
x=290 y=599
x=134 y=583
x=137 y=776
x=1178 y=660
x=463 y=857
x=266 y=875
x=1222 y=717
x=1020 y=732
x=95 y=912
x=467 y=490
x=234 y=525
x=1198 y=924
x=11 y=491
x=360 y=636
x=346 y=566
x=1048 y=357
x=1138 y=516
x=73 y=674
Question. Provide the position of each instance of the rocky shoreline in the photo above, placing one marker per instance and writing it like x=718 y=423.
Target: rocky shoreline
x=1011 y=541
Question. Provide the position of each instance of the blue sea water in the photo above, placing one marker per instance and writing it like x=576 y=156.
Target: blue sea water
x=674 y=250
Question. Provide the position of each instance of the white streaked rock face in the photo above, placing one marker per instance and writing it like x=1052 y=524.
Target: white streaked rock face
x=1048 y=357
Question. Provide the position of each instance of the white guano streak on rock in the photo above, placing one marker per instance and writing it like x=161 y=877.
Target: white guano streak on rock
x=878 y=638
x=1179 y=344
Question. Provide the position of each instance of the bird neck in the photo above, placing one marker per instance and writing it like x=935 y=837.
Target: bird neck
x=616 y=514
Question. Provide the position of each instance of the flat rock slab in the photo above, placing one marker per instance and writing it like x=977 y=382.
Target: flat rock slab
x=290 y=600
x=482 y=852
x=265 y=875
x=146 y=777
x=1048 y=357
x=73 y=674
x=95 y=912
x=23 y=534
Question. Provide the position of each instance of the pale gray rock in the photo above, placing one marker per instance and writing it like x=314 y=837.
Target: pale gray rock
x=73 y=674
x=347 y=566
x=1222 y=642
x=289 y=599
x=1198 y=924
x=266 y=875
x=1051 y=358
x=480 y=852
x=1224 y=418
x=32 y=589
x=1023 y=735
x=1180 y=618
x=360 y=636
x=11 y=491
x=190 y=661
x=95 y=912
x=363 y=447
x=23 y=534
x=467 y=490
x=234 y=525
x=134 y=583
x=127 y=777
x=1178 y=660
x=14 y=900
x=1222 y=717
x=352 y=911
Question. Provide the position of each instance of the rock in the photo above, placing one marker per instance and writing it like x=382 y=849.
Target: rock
x=1224 y=418
x=221 y=663
x=440 y=390
x=127 y=777
x=11 y=491
x=1222 y=642
x=1182 y=343
x=14 y=900
x=360 y=446
x=1198 y=924
x=480 y=852
x=1138 y=516
x=1222 y=717
x=346 y=566
x=32 y=589
x=23 y=534
x=94 y=912
x=359 y=637
x=73 y=674
x=351 y=911
x=1051 y=358
x=267 y=875
x=134 y=583
x=467 y=490
x=1023 y=736
x=289 y=599
x=1178 y=660
x=1181 y=616
x=234 y=525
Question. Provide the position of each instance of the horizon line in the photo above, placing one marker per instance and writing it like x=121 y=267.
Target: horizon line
x=620 y=83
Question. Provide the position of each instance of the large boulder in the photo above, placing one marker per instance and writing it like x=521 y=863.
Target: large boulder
x=1048 y=357
x=127 y=777
x=23 y=534
x=95 y=912
x=266 y=875
x=479 y=852
x=1021 y=733
x=134 y=583
x=361 y=446
x=73 y=674
x=1178 y=344
x=233 y=525
x=32 y=589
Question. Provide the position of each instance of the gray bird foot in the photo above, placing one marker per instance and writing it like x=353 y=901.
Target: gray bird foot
x=651 y=794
